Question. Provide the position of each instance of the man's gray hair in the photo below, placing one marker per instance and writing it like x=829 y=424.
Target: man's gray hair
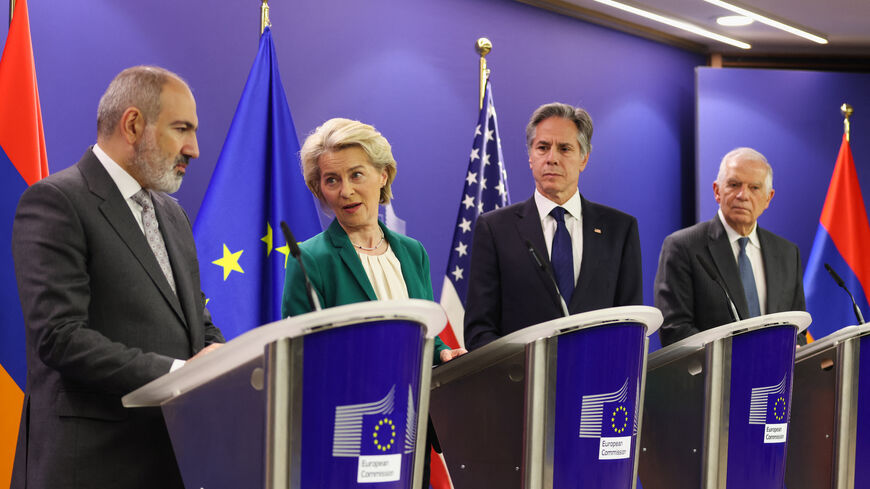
x=577 y=115
x=745 y=154
x=138 y=86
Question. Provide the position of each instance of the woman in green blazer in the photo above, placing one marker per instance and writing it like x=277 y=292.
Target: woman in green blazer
x=349 y=167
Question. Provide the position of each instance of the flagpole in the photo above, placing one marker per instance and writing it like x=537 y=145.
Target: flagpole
x=11 y=10
x=483 y=46
x=264 y=16
x=847 y=111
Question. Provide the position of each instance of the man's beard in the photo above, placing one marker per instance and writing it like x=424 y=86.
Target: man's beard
x=157 y=171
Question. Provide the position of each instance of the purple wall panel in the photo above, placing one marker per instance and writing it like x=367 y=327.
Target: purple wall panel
x=410 y=69
x=793 y=118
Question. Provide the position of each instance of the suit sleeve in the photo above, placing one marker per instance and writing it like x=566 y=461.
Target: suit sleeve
x=50 y=249
x=799 y=302
x=212 y=333
x=629 y=287
x=674 y=292
x=483 y=301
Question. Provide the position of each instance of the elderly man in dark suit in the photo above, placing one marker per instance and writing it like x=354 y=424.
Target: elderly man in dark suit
x=594 y=250
x=760 y=270
x=109 y=284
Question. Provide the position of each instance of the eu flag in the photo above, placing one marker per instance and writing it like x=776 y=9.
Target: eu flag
x=22 y=163
x=256 y=184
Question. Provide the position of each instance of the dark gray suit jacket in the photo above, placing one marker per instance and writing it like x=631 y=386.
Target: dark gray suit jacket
x=691 y=301
x=508 y=292
x=101 y=321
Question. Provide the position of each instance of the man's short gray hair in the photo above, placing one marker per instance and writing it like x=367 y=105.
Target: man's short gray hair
x=138 y=86
x=577 y=115
x=744 y=153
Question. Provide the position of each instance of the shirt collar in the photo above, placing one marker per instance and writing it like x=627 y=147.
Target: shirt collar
x=123 y=180
x=734 y=235
x=574 y=205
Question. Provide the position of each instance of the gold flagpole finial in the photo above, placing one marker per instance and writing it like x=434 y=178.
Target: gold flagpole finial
x=483 y=46
x=264 y=16
x=847 y=111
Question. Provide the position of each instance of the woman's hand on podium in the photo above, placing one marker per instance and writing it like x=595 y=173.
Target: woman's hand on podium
x=447 y=355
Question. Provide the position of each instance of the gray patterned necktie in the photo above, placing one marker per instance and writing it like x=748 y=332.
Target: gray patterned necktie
x=152 y=234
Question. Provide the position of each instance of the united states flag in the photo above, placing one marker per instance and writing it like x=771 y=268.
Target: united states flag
x=485 y=189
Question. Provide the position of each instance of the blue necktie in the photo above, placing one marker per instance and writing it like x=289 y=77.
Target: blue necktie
x=562 y=255
x=748 y=279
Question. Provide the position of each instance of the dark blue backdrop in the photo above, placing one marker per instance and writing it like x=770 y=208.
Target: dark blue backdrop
x=410 y=69
x=793 y=118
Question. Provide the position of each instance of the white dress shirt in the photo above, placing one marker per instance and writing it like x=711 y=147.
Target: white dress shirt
x=128 y=186
x=385 y=274
x=573 y=221
x=753 y=251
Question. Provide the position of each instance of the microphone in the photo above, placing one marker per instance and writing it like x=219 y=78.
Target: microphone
x=313 y=300
x=708 y=267
x=543 y=265
x=843 y=285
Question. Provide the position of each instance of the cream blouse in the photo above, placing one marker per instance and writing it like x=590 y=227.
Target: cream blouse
x=385 y=274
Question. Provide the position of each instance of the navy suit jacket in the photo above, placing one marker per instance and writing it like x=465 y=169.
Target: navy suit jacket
x=101 y=320
x=507 y=291
x=692 y=302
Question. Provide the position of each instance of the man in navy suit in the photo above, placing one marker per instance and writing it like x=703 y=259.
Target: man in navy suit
x=760 y=270
x=109 y=285
x=593 y=250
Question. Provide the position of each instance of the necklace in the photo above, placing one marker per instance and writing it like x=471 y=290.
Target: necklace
x=373 y=248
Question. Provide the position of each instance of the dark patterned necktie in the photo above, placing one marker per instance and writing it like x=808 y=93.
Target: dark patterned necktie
x=748 y=279
x=152 y=234
x=562 y=255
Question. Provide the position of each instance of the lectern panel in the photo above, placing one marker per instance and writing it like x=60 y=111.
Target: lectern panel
x=862 y=442
x=762 y=364
x=360 y=406
x=598 y=387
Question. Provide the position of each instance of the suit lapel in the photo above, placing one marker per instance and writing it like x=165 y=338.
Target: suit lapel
x=339 y=239
x=723 y=258
x=529 y=229
x=118 y=214
x=173 y=231
x=594 y=247
x=775 y=265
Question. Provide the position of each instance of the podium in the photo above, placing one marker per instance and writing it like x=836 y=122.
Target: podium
x=830 y=413
x=332 y=399
x=717 y=406
x=555 y=405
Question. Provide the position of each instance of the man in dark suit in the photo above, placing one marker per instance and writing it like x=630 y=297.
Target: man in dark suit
x=109 y=284
x=760 y=270
x=594 y=250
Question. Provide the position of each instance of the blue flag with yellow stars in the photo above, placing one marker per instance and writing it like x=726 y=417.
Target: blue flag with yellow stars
x=256 y=184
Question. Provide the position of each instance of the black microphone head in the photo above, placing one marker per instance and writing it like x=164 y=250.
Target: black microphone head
x=835 y=276
x=538 y=260
x=291 y=241
x=708 y=267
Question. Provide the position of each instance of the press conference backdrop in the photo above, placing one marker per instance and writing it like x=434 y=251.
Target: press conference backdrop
x=410 y=69
x=793 y=118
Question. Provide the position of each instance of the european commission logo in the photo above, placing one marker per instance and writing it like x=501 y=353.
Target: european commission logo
x=377 y=434
x=608 y=417
x=768 y=407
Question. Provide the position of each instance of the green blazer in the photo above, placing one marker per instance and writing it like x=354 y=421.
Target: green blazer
x=337 y=274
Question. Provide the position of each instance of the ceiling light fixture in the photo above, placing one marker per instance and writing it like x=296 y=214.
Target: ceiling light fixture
x=767 y=20
x=676 y=23
x=734 y=20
